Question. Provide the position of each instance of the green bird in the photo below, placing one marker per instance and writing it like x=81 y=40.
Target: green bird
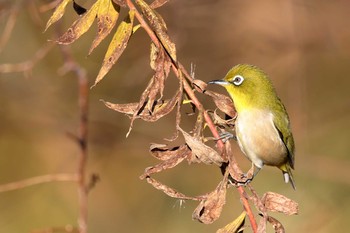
x=262 y=126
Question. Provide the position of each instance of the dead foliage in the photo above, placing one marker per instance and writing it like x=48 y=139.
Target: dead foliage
x=152 y=106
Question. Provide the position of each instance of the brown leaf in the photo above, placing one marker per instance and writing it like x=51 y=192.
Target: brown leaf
x=223 y=102
x=278 y=203
x=210 y=208
x=167 y=164
x=159 y=27
x=121 y=3
x=80 y=26
x=262 y=225
x=277 y=226
x=199 y=85
x=222 y=123
x=57 y=14
x=235 y=226
x=117 y=45
x=107 y=16
x=158 y=3
x=78 y=9
x=201 y=151
x=162 y=152
x=170 y=191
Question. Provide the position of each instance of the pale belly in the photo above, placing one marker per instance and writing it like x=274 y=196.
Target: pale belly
x=259 y=139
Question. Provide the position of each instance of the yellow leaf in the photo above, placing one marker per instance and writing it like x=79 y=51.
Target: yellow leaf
x=234 y=226
x=58 y=13
x=80 y=26
x=107 y=16
x=117 y=45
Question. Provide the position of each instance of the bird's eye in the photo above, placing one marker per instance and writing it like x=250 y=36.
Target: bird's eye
x=237 y=80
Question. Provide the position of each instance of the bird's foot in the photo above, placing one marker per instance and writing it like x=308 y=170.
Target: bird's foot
x=225 y=136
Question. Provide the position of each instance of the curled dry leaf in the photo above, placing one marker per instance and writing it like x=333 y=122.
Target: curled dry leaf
x=199 y=85
x=223 y=102
x=202 y=152
x=170 y=191
x=235 y=226
x=210 y=208
x=278 y=203
x=181 y=153
x=121 y=3
x=107 y=16
x=141 y=110
x=162 y=152
x=159 y=27
x=220 y=122
x=158 y=3
x=58 y=13
x=80 y=26
x=262 y=225
x=78 y=9
x=117 y=45
x=277 y=226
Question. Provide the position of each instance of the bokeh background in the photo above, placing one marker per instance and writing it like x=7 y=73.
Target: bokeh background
x=303 y=45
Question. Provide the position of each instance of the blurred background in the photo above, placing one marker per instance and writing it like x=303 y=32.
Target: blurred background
x=303 y=45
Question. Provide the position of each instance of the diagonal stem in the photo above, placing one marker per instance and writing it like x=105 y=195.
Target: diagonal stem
x=178 y=68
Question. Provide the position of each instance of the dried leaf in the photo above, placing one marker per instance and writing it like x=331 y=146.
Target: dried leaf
x=107 y=16
x=203 y=152
x=158 y=3
x=158 y=110
x=199 y=85
x=223 y=102
x=210 y=208
x=222 y=123
x=80 y=26
x=78 y=9
x=58 y=13
x=121 y=3
x=159 y=27
x=278 y=203
x=117 y=45
x=170 y=191
x=277 y=226
x=162 y=152
x=235 y=226
x=167 y=164
x=262 y=225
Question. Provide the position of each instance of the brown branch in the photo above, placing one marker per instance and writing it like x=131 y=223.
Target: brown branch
x=10 y=24
x=177 y=68
x=28 y=65
x=38 y=180
x=83 y=89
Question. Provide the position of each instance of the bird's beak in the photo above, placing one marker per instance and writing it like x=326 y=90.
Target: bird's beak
x=219 y=82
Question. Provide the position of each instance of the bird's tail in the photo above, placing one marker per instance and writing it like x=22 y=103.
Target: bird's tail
x=287 y=174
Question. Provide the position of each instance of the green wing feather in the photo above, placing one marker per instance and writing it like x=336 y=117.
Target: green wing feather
x=281 y=121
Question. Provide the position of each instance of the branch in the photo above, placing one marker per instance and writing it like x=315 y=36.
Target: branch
x=177 y=68
x=38 y=180
x=83 y=89
x=28 y=65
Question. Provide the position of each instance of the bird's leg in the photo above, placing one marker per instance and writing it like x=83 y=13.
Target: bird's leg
x=225 y=136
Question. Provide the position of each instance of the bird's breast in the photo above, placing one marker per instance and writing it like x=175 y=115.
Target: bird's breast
x=259 y=139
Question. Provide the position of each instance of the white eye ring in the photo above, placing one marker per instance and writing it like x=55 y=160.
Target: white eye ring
x=237 y=80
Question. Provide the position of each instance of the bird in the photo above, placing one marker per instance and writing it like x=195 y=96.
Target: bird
x=262 y=125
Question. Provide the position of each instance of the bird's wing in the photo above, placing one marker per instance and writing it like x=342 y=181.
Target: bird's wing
x=281 y=122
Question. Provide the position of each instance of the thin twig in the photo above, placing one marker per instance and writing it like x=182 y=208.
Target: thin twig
x=38 y=180
x=177 y=68
x=28 y=65
x=83 y=89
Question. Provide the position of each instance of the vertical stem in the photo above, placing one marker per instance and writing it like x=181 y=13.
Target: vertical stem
x=83 y=97
x=82 y=160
